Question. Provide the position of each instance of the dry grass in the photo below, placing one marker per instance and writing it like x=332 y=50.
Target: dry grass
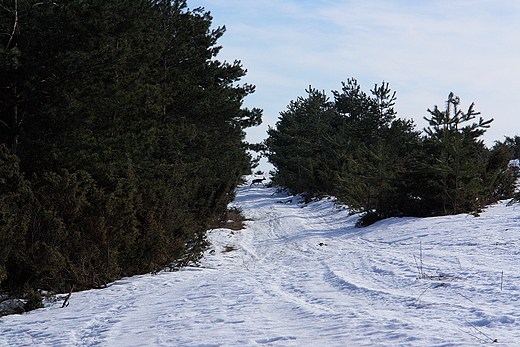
x=229 y=249
x=235 y=219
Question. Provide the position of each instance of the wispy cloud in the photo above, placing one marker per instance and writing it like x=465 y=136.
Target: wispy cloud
x=425 y=49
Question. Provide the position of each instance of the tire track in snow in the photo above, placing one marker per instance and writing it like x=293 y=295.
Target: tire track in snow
x=289 y=242
x=372 y=279
x=302 y=275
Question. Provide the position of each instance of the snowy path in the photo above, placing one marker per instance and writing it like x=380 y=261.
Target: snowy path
x=302 y=275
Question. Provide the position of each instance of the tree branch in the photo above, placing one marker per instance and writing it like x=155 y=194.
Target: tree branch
x=15 y=25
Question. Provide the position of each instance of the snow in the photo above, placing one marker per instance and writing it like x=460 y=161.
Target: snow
x=303 y=275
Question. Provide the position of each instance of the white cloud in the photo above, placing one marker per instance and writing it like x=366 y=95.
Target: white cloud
x=425 y=49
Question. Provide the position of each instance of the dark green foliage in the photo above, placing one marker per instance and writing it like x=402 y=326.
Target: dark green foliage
x=123 y=138
x=16 y=202
x=33 y=300
x=514 y=143
x=353 y=148
x=377 y=146
x=301 y=146
x=456 y=172
x=357 y=149
x=500 y=176
x=457 y=156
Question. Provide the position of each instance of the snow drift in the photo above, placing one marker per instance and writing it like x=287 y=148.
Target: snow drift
x=303 y=275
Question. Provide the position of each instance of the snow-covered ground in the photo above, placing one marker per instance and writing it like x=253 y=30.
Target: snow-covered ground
x=302 y=275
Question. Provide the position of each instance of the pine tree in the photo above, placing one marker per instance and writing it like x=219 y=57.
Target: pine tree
x=456 y=161
x=16 y=201
x=514 y=143
x=129 y=129
x=354 y=148
x=378 y=164
x=377 y=150
x=301 y=145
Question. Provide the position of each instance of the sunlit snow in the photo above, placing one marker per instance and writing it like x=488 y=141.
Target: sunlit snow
x=303 y=275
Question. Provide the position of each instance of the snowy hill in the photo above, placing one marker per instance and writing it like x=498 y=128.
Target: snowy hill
x=302 y=275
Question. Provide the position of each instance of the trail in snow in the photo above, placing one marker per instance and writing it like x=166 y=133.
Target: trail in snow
x=303 y=275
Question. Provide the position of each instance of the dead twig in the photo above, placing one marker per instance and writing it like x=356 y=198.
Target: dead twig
x=15 y=25
x=421 y=261
x=465 y=297
x=419 y=297
x=417 y=265
x=480 y=331
x=473 y=335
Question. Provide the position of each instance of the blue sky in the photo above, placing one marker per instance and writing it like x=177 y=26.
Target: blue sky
x=425 y=49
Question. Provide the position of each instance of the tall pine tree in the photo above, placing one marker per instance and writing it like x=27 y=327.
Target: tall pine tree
x=456 y=158
x=130 y=132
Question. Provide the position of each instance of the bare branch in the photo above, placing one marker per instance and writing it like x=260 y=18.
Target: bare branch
x=5 y=8
x=15 y=25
